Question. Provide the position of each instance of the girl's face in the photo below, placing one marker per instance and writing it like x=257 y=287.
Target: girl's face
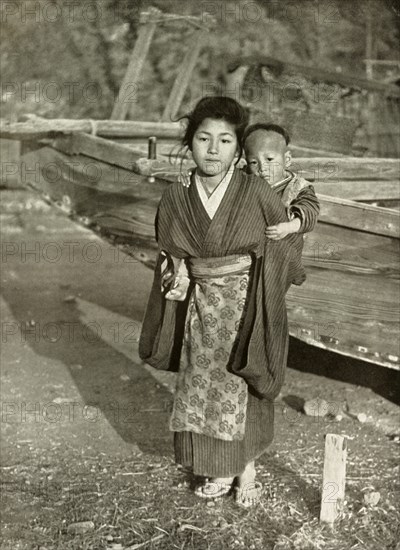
x=214 y=147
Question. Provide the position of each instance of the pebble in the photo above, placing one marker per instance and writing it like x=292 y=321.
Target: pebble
x=372 y=498
x=80 y=527
x=76 y=367
x=69 y=299
x=124 y=377
x=211 y=504
x=362 y=417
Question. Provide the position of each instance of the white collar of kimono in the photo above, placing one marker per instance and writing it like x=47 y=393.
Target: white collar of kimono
x=289 y=175
x=212 y=202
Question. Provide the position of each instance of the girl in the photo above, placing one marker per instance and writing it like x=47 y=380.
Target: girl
x=222 y=323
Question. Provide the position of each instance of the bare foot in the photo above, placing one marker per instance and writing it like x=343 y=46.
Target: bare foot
x=248 y=490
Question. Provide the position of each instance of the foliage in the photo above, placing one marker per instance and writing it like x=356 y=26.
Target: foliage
x=74 y=55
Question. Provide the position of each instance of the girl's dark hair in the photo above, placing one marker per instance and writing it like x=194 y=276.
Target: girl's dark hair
x=268 y=127
x=217 y=107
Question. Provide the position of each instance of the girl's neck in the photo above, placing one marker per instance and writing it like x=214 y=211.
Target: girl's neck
x=211 y=182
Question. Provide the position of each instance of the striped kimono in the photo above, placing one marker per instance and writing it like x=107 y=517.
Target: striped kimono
x=299 y=197
x=229 y=338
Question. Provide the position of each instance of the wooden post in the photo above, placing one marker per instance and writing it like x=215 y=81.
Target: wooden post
x=10 y=154
x=129 y=83
x=334 y=477
x=183 y=78
x=373 y=138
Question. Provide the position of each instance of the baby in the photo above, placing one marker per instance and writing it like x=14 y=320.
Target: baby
x=268 y=156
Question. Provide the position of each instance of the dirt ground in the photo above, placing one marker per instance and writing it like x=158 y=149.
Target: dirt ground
x=84 y=424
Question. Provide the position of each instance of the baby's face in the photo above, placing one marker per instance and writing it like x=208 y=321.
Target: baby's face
x=267 y=155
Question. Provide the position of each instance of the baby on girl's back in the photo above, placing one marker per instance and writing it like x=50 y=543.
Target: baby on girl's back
x=268 y=156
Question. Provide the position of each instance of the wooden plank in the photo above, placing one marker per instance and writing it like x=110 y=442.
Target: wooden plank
x=349 y=302
x=130 y=82
x=363 y=217
x=37 y=128
x=347 y=168
x=375 y=190
x=127 y=158
x=299 y=151
x=334 y=478
x=323 y=172
x=336 y=211
x=344 y=249
x=97 y=148
x=174 y=145
x=317 y=74
x=184 y=75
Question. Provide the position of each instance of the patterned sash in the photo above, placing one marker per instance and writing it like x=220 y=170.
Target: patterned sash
x=210 y=400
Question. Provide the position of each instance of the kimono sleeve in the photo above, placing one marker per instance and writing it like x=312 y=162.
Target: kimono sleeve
x=272 y=207
x=306 y=207
x=163 y=324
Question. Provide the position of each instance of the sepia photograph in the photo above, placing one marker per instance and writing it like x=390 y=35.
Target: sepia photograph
x=200 y=266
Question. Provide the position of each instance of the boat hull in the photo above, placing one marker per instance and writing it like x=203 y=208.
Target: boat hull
x=349 y=303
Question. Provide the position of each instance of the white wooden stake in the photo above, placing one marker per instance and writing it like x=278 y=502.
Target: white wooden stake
x=334 y=478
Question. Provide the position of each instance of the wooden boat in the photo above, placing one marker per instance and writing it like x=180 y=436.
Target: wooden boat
x=99 y=173
x=350 y=301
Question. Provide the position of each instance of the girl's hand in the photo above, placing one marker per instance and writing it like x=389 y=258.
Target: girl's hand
x=166 y=279
x=184 y=178
x=179 y=289
x=278 y=231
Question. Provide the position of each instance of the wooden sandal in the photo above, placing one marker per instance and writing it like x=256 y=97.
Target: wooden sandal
x=212 y=489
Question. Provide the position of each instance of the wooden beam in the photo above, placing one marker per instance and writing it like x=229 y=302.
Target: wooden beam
x=334 y=478
x=96 y=148
x=203 y=21
x=347 y=168
x=317 y=74
x=123 y=156
x=364 y=217
x=36 y=128
x=381 y=221
x=184 y=75
x=362 y=190
x=129 y=86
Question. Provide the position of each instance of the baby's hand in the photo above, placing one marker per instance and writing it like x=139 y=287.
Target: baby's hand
x=184 y=178
x=278 y=231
